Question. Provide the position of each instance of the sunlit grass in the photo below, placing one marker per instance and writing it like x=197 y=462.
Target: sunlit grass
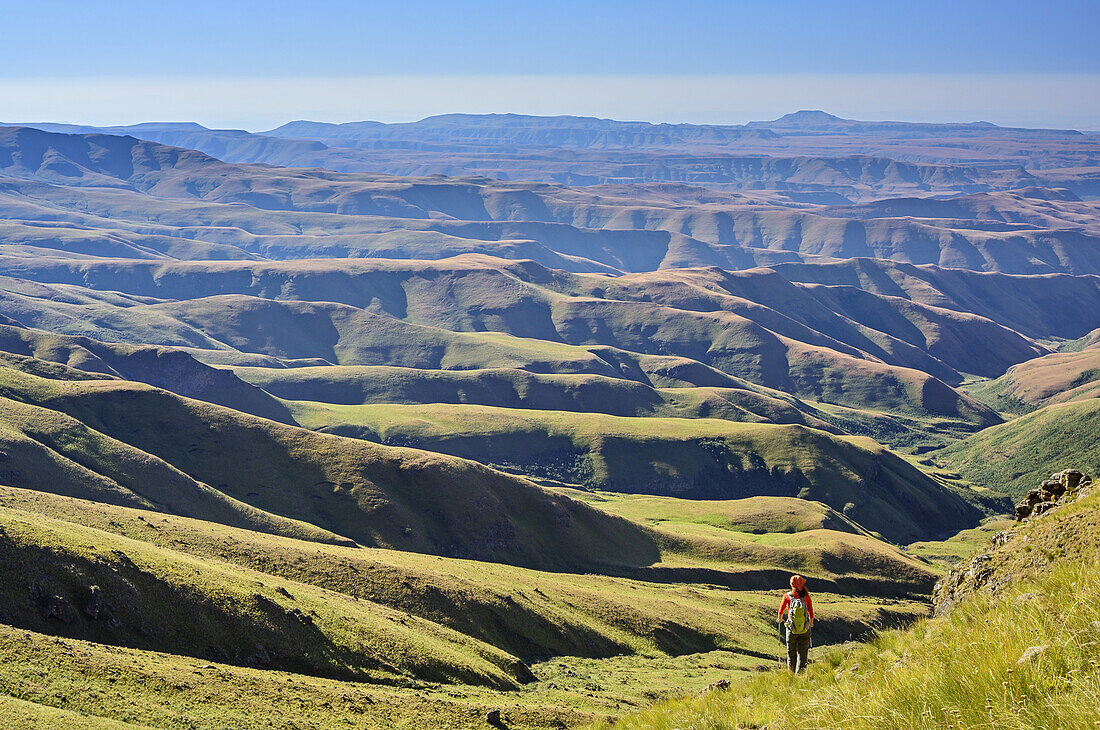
x=960 y=671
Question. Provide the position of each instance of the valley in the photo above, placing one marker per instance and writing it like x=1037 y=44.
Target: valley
x=391 y=425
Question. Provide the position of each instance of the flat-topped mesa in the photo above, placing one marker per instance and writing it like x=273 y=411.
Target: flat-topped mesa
x=1060 y=488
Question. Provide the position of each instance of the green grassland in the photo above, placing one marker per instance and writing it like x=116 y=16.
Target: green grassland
x=758 y=532
x=370 y=492
x=437 y=315
x=753 y=515
x=513 y=388
x=678 y=457
x=926 y=676
x=378 y=615
x=1013 y=457
x=376 y=495
x=160 y=599
x=59 y=682
x=526 y=612
x=1056 y=378
x=946 y=553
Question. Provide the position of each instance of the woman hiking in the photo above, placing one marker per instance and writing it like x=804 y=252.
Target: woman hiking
x=796 y=615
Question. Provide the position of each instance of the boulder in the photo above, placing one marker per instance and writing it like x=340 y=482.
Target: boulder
x=976 y=574
x=1032 y=498
x=1061 y=487
x=1071 y=479
x=523 y=672
x=493 y=717
x=94 y=606
x=60 y=608
x=1053 y=488
x=1041 y=508
x=1055 y=480
x=721 y=684
x=1032 y=654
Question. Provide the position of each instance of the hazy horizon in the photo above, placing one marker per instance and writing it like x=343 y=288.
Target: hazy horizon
x=254 y=66
x=263 y=104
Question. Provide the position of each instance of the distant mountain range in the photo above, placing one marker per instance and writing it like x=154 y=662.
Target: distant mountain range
x=821 y=154
x=101 y=180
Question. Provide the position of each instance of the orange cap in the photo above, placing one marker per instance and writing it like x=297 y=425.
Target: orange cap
x=797 y=582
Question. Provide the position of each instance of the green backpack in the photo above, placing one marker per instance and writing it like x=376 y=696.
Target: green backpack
x=798 y=618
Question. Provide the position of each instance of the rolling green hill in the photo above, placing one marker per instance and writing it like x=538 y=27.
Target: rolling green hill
x=1056 y=378
x=439 y=316
x=392 y=618
x=514 y=388
x=1012 y=456
x=373 y=494
x=698 y=458
x=152 y=598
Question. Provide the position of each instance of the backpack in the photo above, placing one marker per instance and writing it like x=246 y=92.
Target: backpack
x=798 y=618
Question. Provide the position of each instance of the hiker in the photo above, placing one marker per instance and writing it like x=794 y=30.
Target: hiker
x=796 y=618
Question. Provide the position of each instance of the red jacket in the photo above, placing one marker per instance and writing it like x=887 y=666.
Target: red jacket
x=787 y=602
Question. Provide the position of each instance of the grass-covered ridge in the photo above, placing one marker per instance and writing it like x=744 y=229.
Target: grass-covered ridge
x=479 y=312
x=96 y=438
x=697 y=458
x=157 y=598
x=1011 y=457
x=931 y=675
x=1059 y=377
x=565 y=613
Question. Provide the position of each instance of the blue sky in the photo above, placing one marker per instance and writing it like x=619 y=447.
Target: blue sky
x=58 y=57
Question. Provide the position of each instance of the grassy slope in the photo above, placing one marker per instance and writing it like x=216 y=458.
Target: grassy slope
x=514 y=388
x=172 y=370
x=383 y=598
x=373 y=494
x=436 y=317
x=798 y=535
x=1056 y=378
x=679 y=457
x=644 y=386
x=157 y=598
x=1016 y=455
x=519 y=610
x=925 y=677
x=55 y=681
x=47 y=450
x=754 y=515
x=945 y=553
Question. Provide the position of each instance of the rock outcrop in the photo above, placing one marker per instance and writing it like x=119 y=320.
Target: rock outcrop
x=978 y=573
x=1052 y=492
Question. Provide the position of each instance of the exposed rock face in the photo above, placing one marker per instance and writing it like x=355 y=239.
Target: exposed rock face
x=977 y=574
x=1061 y=487
x=721 y=684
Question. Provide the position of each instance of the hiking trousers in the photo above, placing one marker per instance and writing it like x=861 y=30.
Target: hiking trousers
x=798 y=650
